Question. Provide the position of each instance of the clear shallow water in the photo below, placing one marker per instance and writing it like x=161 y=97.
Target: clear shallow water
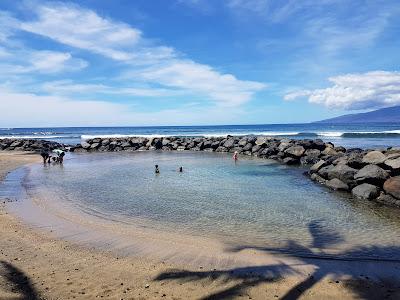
x=350 y=135
x=253 y=202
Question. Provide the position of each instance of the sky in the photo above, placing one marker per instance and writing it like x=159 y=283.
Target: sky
x=195 y=62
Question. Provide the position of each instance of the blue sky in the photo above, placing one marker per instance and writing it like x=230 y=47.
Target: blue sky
x=195 y=62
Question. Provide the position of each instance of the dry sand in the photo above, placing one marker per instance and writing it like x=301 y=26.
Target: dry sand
x=36 y=265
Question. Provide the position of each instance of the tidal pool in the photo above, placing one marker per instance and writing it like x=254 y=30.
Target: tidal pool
x=251 y=202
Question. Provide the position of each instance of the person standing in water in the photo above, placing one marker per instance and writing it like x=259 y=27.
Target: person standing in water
x=45 y=155
x=235 y=156
x=60 y=155
x=157 y=170
x=180 y=169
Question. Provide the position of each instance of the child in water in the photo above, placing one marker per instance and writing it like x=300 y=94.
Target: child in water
x=235 y=156
x=157 y=170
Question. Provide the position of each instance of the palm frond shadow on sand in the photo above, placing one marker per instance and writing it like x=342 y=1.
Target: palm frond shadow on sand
x=16 y=282
x=346 y=264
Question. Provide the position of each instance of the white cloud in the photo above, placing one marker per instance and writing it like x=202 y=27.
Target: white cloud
x=51 y=61
x=156 y=65
x=356 y=91
x=226 y=89
x=29 y=61
x=68 y=87
x=83 y=29
x=23 y=109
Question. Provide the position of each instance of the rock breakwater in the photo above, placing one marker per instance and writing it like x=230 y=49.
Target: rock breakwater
x=366 y=174
x=34 y=145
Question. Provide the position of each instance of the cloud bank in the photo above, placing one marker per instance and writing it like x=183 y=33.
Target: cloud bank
x=356 y=91
x=161 y=65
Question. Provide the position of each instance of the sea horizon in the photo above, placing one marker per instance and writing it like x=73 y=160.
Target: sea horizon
x=344 y=134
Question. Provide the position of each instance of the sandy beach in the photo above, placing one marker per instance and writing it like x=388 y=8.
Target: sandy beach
x=35 y=264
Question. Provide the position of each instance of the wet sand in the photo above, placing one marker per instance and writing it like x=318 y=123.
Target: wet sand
x=36 y=263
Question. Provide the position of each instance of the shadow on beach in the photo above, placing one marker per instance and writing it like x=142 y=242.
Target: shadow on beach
x=15 y=281
x=368 y=272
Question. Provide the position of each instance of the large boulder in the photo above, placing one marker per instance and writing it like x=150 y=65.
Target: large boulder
x=319 y=144
x=388 y=200
x=266 y=152
x=248 y=147
x=337 y=185
x=392 y=186
x=329 y=151
x=283 y=146
x=318 y=165
x=317 y=178
x=374 y=157
x=312 y=152
x=94 y=145
x=342 y=172
x=393 y=163
x=340 y=160
x=325 y=171
x=229 y=143
x=290 y=161
x=242 y=142
x=255 y=148
x=354 y=160
x=308 y=160
x=295 y=151
x=17 y=143
x=261 y=140
x=157 y=144
x=371 y=174
x=85 y=145
x=365 y=191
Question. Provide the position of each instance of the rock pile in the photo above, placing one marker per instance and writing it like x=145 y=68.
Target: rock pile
x=367 y=174
x=29 y=145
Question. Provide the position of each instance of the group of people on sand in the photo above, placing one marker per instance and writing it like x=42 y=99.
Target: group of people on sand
x=235 y=157
x=56 y=155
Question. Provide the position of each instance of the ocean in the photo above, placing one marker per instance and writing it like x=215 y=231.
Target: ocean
x=371 y=135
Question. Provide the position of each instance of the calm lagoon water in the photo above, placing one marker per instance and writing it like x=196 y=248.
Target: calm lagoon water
x=254 y=201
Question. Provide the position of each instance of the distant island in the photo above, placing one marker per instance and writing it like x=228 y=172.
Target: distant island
x=389 y=114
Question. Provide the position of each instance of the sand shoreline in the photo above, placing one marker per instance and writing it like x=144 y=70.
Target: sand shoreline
x=58 y=269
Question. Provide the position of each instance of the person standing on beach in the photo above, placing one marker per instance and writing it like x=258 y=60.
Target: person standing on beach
x=157 y=170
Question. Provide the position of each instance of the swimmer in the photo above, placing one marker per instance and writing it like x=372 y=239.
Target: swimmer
x=157 y=170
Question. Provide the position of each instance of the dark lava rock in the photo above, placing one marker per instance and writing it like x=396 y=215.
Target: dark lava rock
x=229 y=143
x=388 y=200
x=318 y=165
x=85 y=145
x=337 y=185
x=324 y=171
x=295 y=151
x=342 y=172
x=365 y=191
x=308 y=160
x=317 y=178
x=290 y=161
x=371 y=174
